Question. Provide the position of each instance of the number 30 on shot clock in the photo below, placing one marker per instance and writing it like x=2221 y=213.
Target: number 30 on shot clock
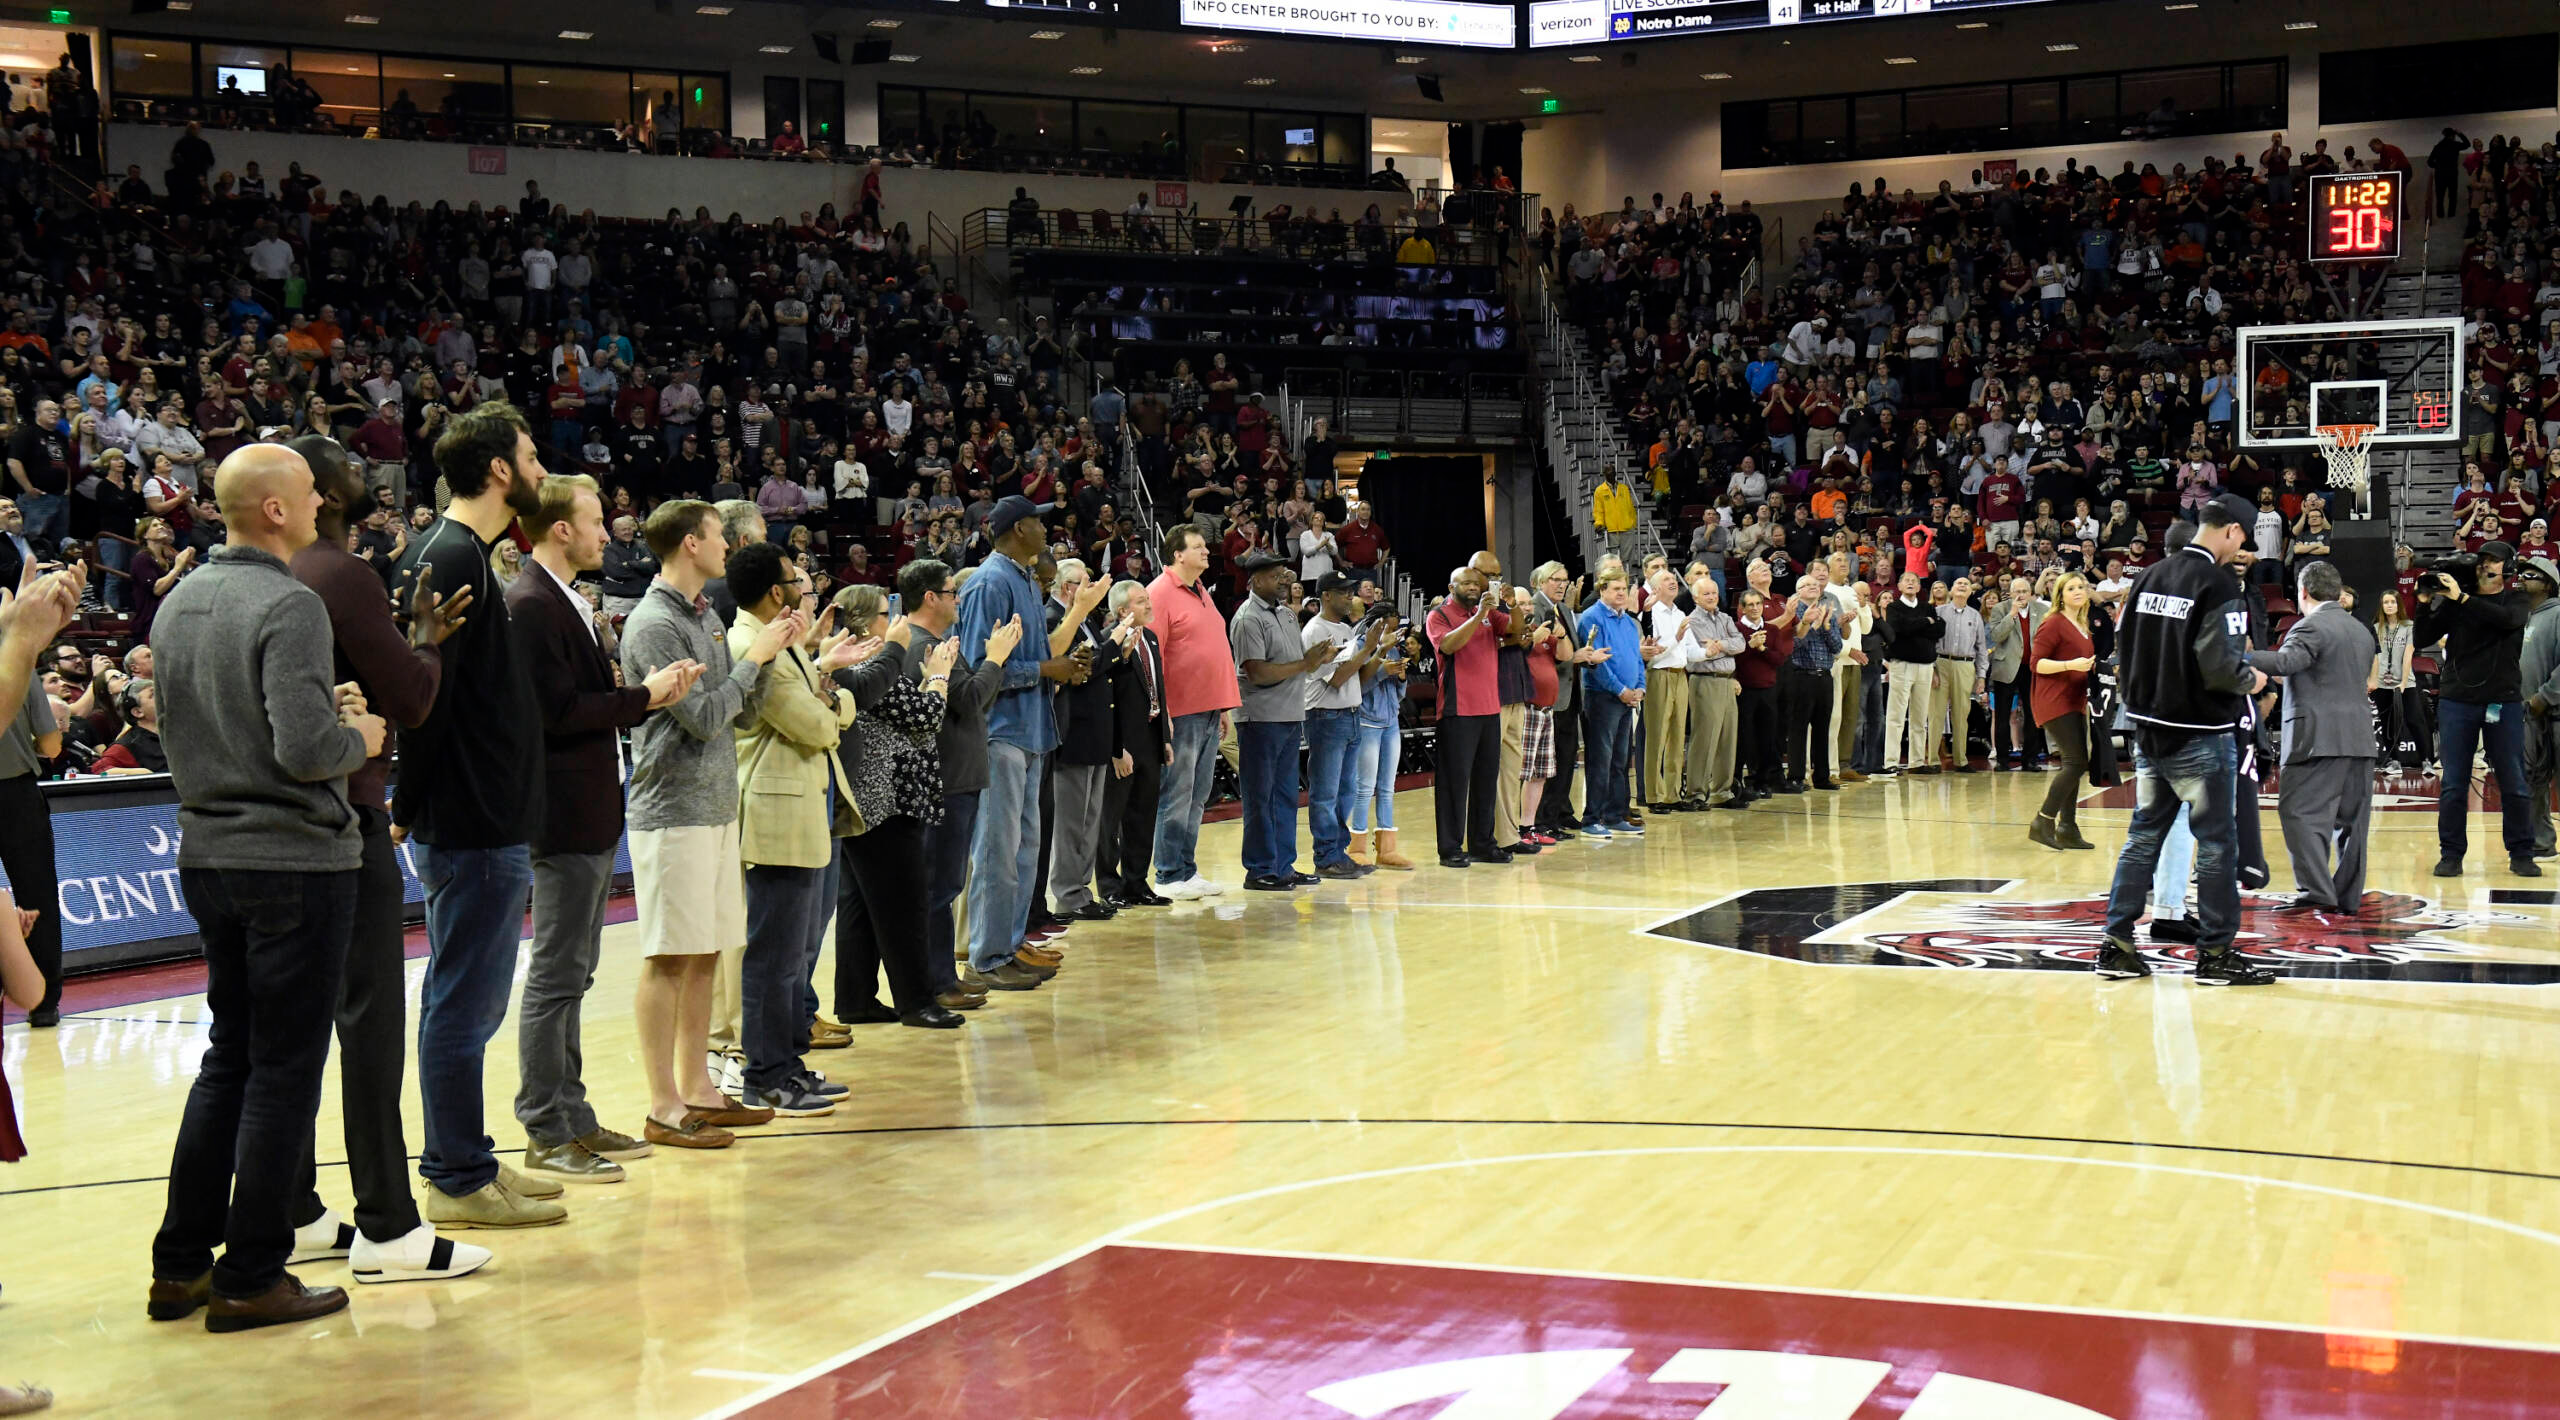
x=2355 y=217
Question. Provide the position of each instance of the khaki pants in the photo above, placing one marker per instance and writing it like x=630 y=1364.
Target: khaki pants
x=1846 y=683
x=1666 y=733
x=1953 y=702
x=1713 y=721
x=1906 y=709
x=724 y=1001
x=1506 y=779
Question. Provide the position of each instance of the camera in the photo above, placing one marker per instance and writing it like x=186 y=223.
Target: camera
x=2462 y=567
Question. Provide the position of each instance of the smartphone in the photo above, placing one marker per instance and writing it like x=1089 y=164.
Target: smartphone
x=893 y=605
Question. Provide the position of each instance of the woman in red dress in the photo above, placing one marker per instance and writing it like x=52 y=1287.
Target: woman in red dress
x=2063 y=655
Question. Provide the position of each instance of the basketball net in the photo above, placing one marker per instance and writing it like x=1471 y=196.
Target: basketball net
x=2349 y=454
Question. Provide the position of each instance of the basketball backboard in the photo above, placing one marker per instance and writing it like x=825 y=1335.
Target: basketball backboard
x=2403 y=377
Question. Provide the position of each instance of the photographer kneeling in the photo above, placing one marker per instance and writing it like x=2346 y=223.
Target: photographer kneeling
x=2479 y=696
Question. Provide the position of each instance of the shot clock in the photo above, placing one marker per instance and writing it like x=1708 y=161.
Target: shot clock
x=2355 y=217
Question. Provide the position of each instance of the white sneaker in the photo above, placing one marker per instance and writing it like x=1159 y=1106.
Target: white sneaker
x=324 y=1238
x=1209 y=888
x=1187 y=890
x=422 y=1256
x=728 y=1072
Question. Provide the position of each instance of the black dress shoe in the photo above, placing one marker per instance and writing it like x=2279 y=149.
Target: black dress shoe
x=931 y=1018
x=1827 y=787
x=1264 y=882
x=45 y=1017
x=1095 y=912
x=1146 y=898
x=1297 y=879
x=1491 y=855
x=1524 y=848
x=1792 y=786
x=869 y=1013
x=1450 y=860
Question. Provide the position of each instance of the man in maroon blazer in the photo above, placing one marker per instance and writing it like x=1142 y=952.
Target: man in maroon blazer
x=584 y=709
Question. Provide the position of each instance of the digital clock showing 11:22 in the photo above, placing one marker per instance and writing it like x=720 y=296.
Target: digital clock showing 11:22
x=2355 y=217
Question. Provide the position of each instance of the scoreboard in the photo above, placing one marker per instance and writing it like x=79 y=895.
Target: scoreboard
x=2355 y=217
x=1554 y=23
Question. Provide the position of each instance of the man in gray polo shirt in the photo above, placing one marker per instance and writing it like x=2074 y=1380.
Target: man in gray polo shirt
x=1333 y=718
x=1964 y=662
x=1272 y=662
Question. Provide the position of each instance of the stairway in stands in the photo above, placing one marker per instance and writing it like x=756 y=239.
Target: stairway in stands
x=1581 y=434
x=2424 y=479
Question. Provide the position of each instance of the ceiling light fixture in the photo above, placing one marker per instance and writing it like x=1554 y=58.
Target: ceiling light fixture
x=1048 y=34
x=2183 y=5
x=2302 y=24
x=886 y=24
x=1901 y=59
x=449 y=76
x=906 y=58
x=1975 y=25
x=713 y=9
x=1586 y=59
x=1534 y=89
x=577 y=34
x=1413 y=59
x=2060 y=48
x=1225 y=46
x=1717 y=74
x=1086 y=69
x=776 y=49
x=182 y=5
x=364 y=19
x=1261 y=83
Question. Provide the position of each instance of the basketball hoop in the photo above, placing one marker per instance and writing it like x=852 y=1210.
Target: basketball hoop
x=2350 y=456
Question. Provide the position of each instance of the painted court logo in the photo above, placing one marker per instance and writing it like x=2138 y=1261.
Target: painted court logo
x=1964 y=923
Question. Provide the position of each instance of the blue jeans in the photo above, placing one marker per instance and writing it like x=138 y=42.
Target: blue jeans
x=2198 y=776
x=47 y=518
x=784 y=908
x=946 y=869
x=2460 y=727
x=1606 y=739
x=1006 y=849
x=1267 y=763
x=1187 y=782
x=1868 y=755
x=116 y=556
x=1373 y=776
x=829 y=877
x=475 y=918
x=1331 y=735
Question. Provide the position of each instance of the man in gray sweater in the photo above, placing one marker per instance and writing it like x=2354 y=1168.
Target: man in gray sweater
x=260 y=746
x=683 y=818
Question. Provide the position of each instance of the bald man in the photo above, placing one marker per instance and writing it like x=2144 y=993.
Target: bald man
x=260 y=746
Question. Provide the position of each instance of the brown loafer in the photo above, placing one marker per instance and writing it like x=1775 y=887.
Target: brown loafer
x=958 y=999
x=1851 y=776
x=692 y=1134
x=283 y=1304
x=176 y=1301
x=732 y=1115
x=821 y=1038
x=1041 y=957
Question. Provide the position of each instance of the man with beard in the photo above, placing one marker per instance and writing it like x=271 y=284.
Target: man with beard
x=470 y=796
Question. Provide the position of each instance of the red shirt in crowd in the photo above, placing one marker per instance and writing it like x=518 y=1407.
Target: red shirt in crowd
x=2067 y=692
x=1199 y=664
x=1360 y=542
x=1470 y=671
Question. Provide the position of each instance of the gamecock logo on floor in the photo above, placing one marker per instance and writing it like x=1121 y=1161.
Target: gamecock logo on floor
x=1971 y=923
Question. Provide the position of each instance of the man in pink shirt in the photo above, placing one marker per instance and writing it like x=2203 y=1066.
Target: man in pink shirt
x=1467 y=628
x=1199 y=691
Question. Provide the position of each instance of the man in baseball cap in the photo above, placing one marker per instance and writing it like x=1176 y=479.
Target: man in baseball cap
x=2479 y=698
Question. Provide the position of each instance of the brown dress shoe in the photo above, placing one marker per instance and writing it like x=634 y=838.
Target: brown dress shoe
x=176 y=1301
x=732 y=1115
x=694 y=1133
x=960 y=999
x=821 y=1038
x=283 y=1304
x=1044 y=969
x=1851 y=776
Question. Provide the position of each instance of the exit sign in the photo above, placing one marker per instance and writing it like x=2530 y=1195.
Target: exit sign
x=60 y=17
x=1550 y=105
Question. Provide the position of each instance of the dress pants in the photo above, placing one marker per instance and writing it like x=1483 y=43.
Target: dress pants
x=1804 y=715
x=1470 y=756
x=1555 y=807
x=1952 y=705
x=372 y=1049
x=1268 y=772
x=26 y=852
x=1848 y=681
x=2326 y=810
x=1714 y=720
x=946 y=873
x=880 y=918
x=274 y=945
x=2009 y=696
x=2541 y=766
x=1506 y=775
x=1076 y=791
x=1906 y=710
x=1129 y=826
x=781 y=904
x=1666 y=734
x=1756 y=738
x=569 y=892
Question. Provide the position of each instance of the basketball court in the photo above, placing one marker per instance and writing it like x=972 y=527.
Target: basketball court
x=1621 y=1130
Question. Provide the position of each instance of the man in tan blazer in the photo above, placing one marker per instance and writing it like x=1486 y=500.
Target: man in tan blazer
x=2009 y=627
x=788 y=779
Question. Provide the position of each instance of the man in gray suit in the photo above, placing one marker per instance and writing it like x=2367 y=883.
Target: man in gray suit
x=2009 y=629
x=2327 y=803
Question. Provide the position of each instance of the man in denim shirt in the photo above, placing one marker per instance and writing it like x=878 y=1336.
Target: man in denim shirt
x=1021 y=731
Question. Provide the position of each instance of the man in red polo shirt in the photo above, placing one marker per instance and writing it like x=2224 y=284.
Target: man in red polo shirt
x=1199 y=690
x=1361 y=540
x=1467 y=627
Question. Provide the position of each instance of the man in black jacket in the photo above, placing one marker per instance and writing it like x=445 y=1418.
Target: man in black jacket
x=1912 y=629
x=2183 y=668
x=1141 y=745
x=2479 y=695
x=1079 y=771
x=582 y=710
